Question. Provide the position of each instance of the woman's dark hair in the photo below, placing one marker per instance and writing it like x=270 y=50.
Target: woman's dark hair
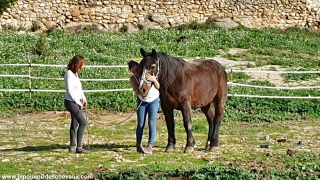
x=132 y=64
x=76 y=63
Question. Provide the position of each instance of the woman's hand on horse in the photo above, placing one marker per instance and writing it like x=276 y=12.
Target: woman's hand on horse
x=151 y=78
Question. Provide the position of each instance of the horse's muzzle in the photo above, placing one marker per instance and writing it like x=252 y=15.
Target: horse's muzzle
x=144 y=88
x=143 y=92
x=144 y=85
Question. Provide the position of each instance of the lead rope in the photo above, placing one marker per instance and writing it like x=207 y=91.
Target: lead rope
x=84 y=110
x=86 y=114
x=130 y=114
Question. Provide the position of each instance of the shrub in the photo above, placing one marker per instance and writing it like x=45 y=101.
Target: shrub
x=41 y=48
x=4 y=4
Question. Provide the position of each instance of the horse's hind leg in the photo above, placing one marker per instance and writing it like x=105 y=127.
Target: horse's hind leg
x=219 y=103
x=208 y=111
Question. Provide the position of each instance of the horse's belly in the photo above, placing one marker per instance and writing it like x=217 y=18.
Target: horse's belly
x=197 y=104
x=168 y=100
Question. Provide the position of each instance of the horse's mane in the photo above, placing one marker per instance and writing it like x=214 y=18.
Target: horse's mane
x=170 y=67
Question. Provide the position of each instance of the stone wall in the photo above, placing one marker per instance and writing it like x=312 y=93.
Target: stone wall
x=111 y=15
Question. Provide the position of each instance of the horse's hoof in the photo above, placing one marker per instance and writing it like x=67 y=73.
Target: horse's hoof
x=214 y=149
x=188 y=149
x=169 y=149
x=207 y=146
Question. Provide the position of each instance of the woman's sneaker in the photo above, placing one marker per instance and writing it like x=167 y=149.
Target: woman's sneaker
x=72 y=148
x=148 y=149
x=140 y=149
x=80 y=150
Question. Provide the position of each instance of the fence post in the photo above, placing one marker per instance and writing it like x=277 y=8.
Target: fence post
x=30 y=83
x=232 y=82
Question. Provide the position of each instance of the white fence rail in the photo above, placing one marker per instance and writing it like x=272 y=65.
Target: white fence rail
x=30 y=90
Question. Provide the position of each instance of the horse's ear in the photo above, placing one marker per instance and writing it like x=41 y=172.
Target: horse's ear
x=143 y=52
x=154 y=53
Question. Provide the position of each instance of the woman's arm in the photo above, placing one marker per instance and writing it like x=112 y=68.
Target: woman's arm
x=134 y=85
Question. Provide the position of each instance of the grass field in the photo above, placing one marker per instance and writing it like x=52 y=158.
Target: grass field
x=36 y=143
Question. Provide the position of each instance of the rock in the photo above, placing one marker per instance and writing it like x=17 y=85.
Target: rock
x=131 y=28
x=5 y=160
x=150 y=25
x=160 y=19
x=50 y=24
x=226 y=23
x=26 y=25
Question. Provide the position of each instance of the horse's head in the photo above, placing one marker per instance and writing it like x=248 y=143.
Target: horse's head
x=149 y=64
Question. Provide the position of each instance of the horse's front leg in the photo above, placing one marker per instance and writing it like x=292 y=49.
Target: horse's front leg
x=168 y=114
x=187 y=123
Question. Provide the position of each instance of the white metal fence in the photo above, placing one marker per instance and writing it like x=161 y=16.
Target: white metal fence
x=230 y=83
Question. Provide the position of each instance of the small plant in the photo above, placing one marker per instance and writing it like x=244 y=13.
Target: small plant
x=41 y=48
x=88 y=28
x=141 y=27
x=210 y=20
x=35 y=26
x=299 y=77
x=262 y=83
x=238 y=77
x=51 y=29
x=272 y=68
x=124 y=29
x=250 y=65
x=22 y=29
x=194 y=25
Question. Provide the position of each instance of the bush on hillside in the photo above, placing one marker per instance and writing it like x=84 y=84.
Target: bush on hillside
x=4 y=4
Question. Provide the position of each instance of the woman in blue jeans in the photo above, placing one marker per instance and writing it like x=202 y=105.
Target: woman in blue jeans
x=149 y=106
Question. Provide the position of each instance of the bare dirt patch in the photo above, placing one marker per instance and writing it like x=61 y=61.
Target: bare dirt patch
x=259 y=73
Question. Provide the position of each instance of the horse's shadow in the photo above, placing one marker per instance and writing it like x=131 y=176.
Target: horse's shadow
x=105 y=147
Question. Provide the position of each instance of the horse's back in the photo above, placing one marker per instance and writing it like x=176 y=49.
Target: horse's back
x=210 y=67
x=208 y=62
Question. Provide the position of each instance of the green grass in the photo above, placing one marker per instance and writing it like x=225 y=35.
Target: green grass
x=292 y=49
x=36 y=143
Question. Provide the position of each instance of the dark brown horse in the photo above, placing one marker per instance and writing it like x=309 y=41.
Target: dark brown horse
x=185 y=86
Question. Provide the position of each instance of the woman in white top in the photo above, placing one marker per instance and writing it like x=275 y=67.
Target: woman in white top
x=150 y=106
x=74 y=101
